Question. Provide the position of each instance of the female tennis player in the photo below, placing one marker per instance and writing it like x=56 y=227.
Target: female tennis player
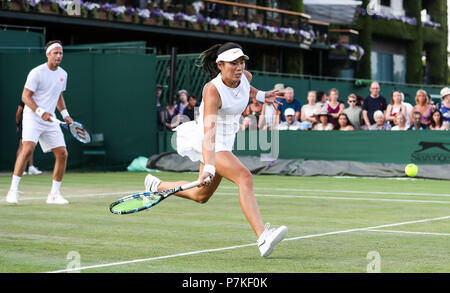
x=210 y=139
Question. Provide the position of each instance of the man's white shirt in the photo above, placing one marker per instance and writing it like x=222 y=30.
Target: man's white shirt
x=47 y=85
x=294 y=126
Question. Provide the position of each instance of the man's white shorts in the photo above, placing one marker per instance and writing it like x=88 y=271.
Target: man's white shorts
x=48 y=134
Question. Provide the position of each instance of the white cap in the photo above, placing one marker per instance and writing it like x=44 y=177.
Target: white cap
x=231 y=55
x=445 y=91
x=289 y=111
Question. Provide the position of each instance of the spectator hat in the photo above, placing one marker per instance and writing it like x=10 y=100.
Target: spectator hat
x=444 y=92
x=289 y=111
x=183 y=92
x=322 y=113
x=158 y=86
x=279 y=86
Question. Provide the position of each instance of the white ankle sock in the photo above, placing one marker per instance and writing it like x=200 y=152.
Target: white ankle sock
x=15 y=182
x=55 y=187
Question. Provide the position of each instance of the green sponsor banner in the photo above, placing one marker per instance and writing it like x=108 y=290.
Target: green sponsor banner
x=401 y=147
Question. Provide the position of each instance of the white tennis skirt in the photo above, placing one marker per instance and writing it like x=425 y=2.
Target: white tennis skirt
x=189 y=140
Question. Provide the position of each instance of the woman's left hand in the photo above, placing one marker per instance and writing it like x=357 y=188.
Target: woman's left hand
x=272 y=96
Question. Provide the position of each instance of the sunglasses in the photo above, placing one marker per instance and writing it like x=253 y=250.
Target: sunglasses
x=352 y=101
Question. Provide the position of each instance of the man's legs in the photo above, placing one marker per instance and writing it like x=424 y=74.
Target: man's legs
x=19 y=167
x=58 y=174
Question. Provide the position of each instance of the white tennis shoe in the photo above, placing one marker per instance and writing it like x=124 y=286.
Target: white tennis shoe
x=12 y=196
x=56 y=198
x=151 y=183
x=270 y=238
x=32 y=170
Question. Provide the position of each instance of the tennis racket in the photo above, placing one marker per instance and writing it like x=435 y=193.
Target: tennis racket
x=145 y=200
x=78 y=131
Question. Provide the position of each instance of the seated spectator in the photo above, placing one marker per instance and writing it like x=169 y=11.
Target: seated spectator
x=417 y=125
x=354 y=112
x=269 y=117
x=423 y=106
x=380 y=122
x=400 y=122
x=373 y=103
x=395 y=107
x=445 y=106
x=334 y=107
x=321 y=98
x=343 y=123
x=290 y=123
x=323 y=123
x=359 y=101
x=289 y=102
x=409 y=108
x=254 y=108
x=183 y=96
x=189 y=111
x=308 y=111
x=248 y=123
x=170 y=113
x=437 y=121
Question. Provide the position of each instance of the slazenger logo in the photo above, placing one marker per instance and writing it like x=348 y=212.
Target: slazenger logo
x=432 y=152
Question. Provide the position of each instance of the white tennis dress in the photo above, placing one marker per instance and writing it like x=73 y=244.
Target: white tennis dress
x=189 y=136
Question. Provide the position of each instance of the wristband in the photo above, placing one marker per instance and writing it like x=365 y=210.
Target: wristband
x=64 y=113
x=210 y=169
x=261 y=96
x=40 y=111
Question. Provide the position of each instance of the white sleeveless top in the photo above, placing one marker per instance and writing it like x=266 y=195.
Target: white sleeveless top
x=190 y=135
x=234 y=102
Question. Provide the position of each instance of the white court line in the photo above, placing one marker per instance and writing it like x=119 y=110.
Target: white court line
x=343 y=198
x=410 y=232
x=121 y=194
x=246 y=245
x=340 y=191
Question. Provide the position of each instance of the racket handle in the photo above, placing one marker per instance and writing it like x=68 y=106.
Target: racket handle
x=193 y=184
x=54 y=119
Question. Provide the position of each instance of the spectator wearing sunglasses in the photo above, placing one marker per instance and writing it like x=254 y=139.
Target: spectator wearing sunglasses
x=354 y=113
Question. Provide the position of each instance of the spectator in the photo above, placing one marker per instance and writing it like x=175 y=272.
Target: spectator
x=354 y=113
x=170 y=116
x=159 y=110
x=269 y=117
x=254 y=108
x=289 y=102
x=437 y=121
x=359 y=101
x=290 y=123
x=445 y=106
x=189 y=111
x=400 y=123
x=423 y=106
x=248 y=122
x=417 y=125
x=334 y=107
x=373 y=103
x=343 y=123
x=182 y=95
x=308 y=111
x=323 y=123
x=380 y=122
x=395 y=107
x=321 y=98
x=409 y=108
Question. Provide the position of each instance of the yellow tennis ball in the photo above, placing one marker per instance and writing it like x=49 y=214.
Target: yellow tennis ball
x=411 y=170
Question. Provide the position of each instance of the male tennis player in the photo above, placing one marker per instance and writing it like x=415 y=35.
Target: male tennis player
x=42 y=94
x=211 y=138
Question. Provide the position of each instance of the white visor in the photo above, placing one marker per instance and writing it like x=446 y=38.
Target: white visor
x=231 y=55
